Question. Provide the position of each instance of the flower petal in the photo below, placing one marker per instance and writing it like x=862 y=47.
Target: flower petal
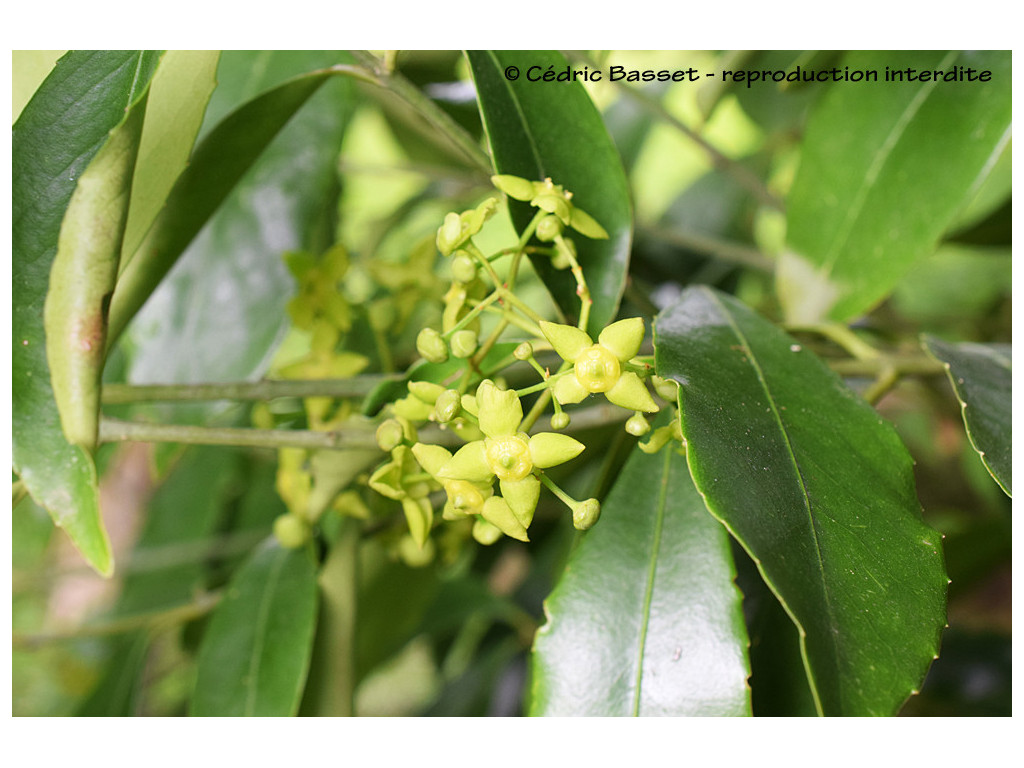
x=513 y=186
x=500 y=409
x=498 y=513
x=584 y=223
x=431 y=457
x=420 y=516
x=468 y=463
x=629 y=392
x=569 y=390
x=623 y=339
x=549 y=449
x=522 y=497
x=569 y=342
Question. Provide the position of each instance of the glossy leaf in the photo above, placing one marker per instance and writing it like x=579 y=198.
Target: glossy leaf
x=646 y=619
x=82 y=278
x=216 y=166
x=177 y=102
x=540 y=130
x=885 y=168
x=255 y=653
x=232 y=276
x=982 y=380
x=819 y=490
x=56 y=136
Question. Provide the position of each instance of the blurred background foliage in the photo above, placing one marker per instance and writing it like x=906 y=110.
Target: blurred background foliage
x=452 y=637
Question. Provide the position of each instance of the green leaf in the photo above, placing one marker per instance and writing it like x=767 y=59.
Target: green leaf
x=646 y=619
x=284 y=202
x=255 y=653
x=216 y=166
x=819 y=490
x=57 y=135
x=982 y=380
x=83 y=274
x=178 y=96
x=885 y=169
x=332 y=670
x=542 y=130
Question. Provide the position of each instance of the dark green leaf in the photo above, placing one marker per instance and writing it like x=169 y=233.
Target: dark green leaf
x=982 y=380
x=646 y=619
x=543 y=130
x=255 y=653
x=819 y=490
x=55 y=138
x=885 y=168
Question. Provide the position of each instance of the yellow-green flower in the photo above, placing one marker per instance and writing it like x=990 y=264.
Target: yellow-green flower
x=599 y=367
x=458 y=228
x=510 y=456
x=552 y=198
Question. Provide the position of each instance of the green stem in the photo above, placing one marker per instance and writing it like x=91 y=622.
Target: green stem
x=887 y=379
x=203 y=604
x=566 y=499
x=841 y=335
x=266 y=389
x=457 y=137
x=115 y=430
x=916 y=365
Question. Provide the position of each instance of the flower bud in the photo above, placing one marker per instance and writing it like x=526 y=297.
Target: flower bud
x=390 y=435
x=463 y=267
x=667 y=389
x=523 y=352
x=447 y=406
x=431 y=346
x=449 y=233
x=560 y=420
x=565 y=252
x=485 y=533
x=549 y=228
x=637 y=425
x=292 y=531
x=463 y=343
x=585 y=514
x=414 y=555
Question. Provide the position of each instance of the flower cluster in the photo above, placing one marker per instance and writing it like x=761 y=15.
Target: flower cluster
x=460 y=439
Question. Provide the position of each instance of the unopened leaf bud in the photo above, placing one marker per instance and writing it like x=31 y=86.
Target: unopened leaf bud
x=431 y=346
x=464 y=343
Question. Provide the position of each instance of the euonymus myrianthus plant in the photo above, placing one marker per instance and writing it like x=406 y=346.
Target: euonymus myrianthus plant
x=417 y=381
x=489 y=417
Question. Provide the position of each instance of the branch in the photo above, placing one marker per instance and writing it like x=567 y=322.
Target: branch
x=267 y=389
